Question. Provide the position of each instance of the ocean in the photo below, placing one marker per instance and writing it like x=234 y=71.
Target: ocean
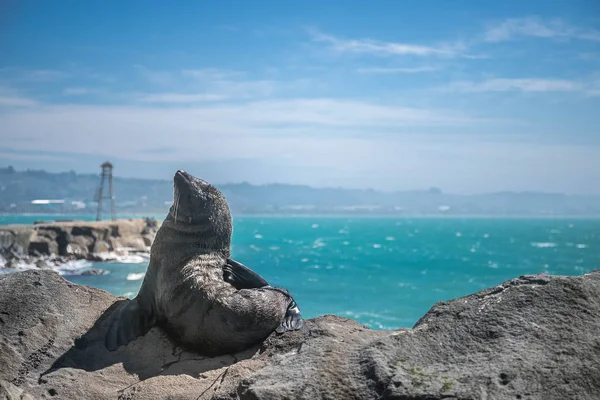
x=382 y=272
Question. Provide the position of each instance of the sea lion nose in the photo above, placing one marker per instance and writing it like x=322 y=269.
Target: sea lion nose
x=180 y=176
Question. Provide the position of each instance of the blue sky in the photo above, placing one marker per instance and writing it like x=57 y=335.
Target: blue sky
x=469 y=96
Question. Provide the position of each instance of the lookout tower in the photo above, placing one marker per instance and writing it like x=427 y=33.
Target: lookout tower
x=106 y=175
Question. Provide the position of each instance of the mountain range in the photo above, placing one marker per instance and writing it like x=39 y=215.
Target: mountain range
x=73 y=193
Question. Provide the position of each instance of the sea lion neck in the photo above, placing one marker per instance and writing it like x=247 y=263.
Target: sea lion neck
x=190 y=239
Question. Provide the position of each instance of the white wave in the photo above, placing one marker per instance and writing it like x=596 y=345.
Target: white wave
x=304 y=260
x=581 y=246
x=486 y=235
x=132 y=259
x=368 y=314
x=73 y=267
x=123 y=258
x=20 y=265
x=255 y=248
x=135 y=277
x=543 y=244
x=345 y=243
x=376 y=246
x=274 y=248
x=458 y=234
x=129 y=294
x=258 y=236
x=390 y=238
x=318 y=243
x=314 y=226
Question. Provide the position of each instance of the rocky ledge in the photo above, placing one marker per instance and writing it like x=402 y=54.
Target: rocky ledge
x=46 y=245
x=533 y=337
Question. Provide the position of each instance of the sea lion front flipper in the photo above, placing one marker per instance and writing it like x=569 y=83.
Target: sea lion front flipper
x=128 y=323
x=292 y=320
x=242 y=277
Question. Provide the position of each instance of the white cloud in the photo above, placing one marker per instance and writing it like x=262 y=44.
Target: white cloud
x=81 y=91
x=521 y=85
x=45 y=75
x=207 y=74
x=260 y=129
x=413 y=70
x=30 y=157
x=180 y=98
x=213 y=84
x=16 y=101
x=353 y=142
x=12 y=98
x=513 y=28
x=377 y=47
x=154 y=76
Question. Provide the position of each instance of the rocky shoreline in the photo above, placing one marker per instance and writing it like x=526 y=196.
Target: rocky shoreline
x=532 y=337
x=49 y=245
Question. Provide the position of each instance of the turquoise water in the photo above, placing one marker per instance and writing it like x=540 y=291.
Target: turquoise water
x=387 y=272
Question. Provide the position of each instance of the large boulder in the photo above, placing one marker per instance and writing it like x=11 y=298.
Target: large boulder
x=533 y=337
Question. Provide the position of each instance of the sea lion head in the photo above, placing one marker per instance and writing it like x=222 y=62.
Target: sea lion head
x=198 y=205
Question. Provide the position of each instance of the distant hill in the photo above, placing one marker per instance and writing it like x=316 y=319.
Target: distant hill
x=77 y=194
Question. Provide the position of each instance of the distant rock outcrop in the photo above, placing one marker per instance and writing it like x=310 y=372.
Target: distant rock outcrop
x=48 y=244
x=533 y=337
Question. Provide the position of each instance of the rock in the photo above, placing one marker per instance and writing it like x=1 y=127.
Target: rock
x=94 y=271
x=89 y=240
x=533 y=337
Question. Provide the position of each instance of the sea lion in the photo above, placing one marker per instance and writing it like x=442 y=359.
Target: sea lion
x=193 y=289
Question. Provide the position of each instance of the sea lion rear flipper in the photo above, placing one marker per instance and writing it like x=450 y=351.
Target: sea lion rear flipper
x=242 y=277
x=292 y=320
x=128 y=323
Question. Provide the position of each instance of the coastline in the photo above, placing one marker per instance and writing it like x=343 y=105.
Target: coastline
x=158 y=216
x=50 y=245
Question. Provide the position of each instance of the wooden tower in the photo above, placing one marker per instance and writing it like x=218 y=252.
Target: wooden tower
x=106 y=175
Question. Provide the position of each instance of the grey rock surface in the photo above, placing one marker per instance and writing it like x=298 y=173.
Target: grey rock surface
x=50 y=244
x=533 y=337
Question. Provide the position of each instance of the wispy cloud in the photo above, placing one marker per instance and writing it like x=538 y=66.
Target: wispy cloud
x=214 y=84
x=382 y=48
x=12 y=98
x=33 y=75
x=175 y=98
x=155 y=76
x=257 y=127
x=522 y=85
x=413 y=70
x=205 y=74
x=514 y=28
x=323 y=135
x=81 y=91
